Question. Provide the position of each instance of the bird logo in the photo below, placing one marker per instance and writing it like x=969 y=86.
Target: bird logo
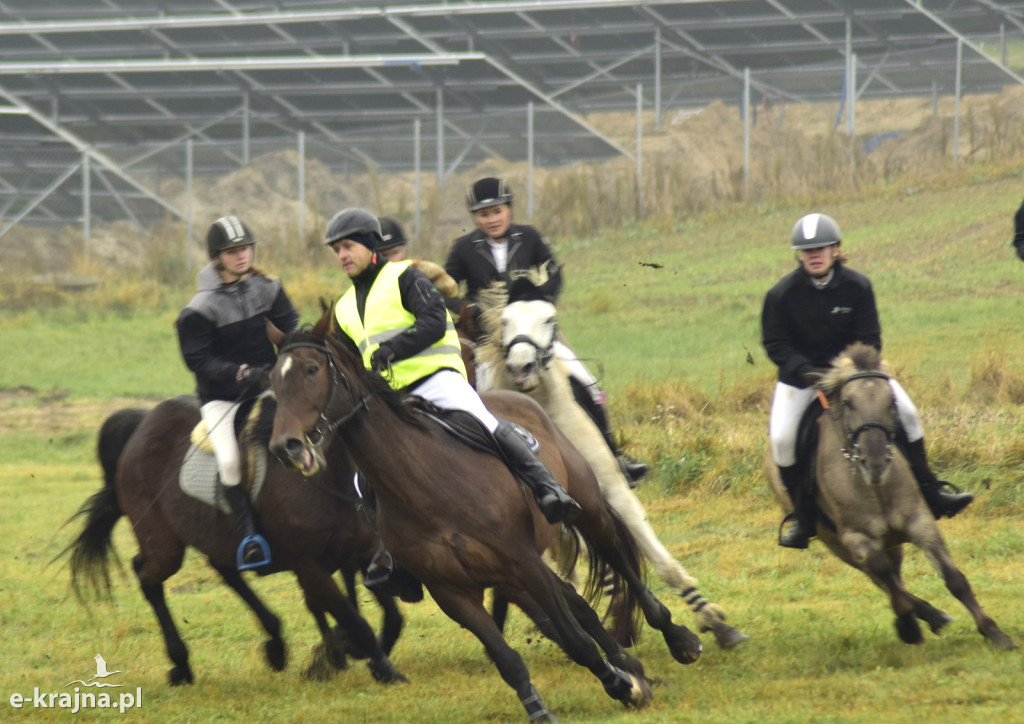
x=101 y=673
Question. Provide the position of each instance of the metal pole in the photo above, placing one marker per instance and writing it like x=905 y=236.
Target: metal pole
x=440 y=134
x=639 y=150
x=746 y=133
x=416 y=174
x=657 y=77
x=851 y=96
x=302 y=188
x=188 y=197
x=245 y=129
x=86 y=201
x=956 y=100
x=529 y=160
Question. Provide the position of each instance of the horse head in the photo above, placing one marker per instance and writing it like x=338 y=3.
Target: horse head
x=862 y=408
x=315 y=382
x=527 y=332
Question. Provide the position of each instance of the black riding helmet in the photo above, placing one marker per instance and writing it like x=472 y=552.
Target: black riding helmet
x=488 y=192
x=814 y=231
x=392 y=234
x=356 y=224
x=227 y=232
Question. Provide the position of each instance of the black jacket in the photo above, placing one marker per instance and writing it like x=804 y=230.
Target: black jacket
x=223 y=328
x=803 y=327
x=470 y=258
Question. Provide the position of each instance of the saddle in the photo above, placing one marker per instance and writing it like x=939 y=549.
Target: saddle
x=198 y=475
x=467 y=429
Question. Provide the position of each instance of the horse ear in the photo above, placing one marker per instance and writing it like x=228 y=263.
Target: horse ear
x=275 y=335
x=323 y=325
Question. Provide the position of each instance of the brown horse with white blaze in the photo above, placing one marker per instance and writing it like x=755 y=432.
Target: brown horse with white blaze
x=869 y=500
x=456 y=517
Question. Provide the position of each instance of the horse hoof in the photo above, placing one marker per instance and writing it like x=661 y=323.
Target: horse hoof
x=277 y=657
x=683 y=644
x=939 y=622
x=1002 y=642
x=909 y=631
x=727 y=636
x=384 y=672
x=179 y=676
x=640 y=694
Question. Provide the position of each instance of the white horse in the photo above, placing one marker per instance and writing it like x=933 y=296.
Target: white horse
x=519 y=327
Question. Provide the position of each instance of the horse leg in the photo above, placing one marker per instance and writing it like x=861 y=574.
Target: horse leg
x=329 y=656
x=927 y=537
x=181 y=673
x=710 y=616
x=606 y=536
x=924 y=611
x=467 y=610
x=868 y=555
x=323 y=593
x=392 y=622
x=274 y=647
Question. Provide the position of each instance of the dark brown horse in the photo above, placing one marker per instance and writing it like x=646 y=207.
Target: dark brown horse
x=870 y=500
x=312 y=525
x=457 y=519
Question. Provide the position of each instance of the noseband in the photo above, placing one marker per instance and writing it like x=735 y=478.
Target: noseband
x=325 y=425
x=851 y=448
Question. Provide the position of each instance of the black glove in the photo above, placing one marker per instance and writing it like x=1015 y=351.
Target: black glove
x=255 y=377
x=381 y=358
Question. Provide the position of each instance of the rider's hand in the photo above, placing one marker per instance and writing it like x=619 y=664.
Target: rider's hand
x=253 y=376
x=381 y=358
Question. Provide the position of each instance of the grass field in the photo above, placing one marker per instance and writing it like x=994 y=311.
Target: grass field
x=672 y=344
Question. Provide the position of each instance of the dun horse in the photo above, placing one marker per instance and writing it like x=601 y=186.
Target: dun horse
x=869 y=502
x=313 y=527
x=457 y=519
x=517 y=348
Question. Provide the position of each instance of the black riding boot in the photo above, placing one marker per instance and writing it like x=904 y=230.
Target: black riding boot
x=253 y=551
x=384 y=575
x=942 y=503
x=802 y=518
x=633 y=471
x=553 y=501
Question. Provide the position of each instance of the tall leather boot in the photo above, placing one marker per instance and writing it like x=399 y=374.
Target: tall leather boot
x=801 y=520
x=253 y=551
x=941 y=502
x=384 y=575
x=553 y=501
x=633 y=471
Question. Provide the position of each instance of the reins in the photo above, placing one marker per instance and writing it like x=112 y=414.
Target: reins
x=324 y=425
x=851 y=446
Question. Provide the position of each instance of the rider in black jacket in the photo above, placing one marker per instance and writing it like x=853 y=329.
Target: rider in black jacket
x=496 y=250
x=808 y=318
x=224 y=342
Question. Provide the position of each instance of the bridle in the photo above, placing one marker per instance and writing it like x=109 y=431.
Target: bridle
x=543 y=355
x=851 y=447
x=324 y=425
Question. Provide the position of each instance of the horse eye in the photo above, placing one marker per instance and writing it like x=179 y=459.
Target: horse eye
x=550 y=322
x=312 y=370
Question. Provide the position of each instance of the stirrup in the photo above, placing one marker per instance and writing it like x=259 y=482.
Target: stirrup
x=264 y=553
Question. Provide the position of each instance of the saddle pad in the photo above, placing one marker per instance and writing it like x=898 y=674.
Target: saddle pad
x=198 y=477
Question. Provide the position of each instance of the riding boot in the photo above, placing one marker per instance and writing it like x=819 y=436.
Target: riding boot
x=633 y=471
x=941 y=502
x=384 y=575
x=553 y=501
x=253 y=551
x=801 y=519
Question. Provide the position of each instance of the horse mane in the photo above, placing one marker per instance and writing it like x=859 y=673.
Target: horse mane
x=856 y=358
x=524 y=285
x=347 y=354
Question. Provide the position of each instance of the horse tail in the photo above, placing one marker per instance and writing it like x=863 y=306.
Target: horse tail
x=624 y=606
x=92 y=547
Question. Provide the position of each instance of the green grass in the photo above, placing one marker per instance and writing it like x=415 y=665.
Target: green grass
x=672 y=345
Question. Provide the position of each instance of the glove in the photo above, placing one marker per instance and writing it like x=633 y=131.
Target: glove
x=254 y=376
x=381 y=358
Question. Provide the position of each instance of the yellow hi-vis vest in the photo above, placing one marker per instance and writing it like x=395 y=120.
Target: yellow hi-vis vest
x=384 y=318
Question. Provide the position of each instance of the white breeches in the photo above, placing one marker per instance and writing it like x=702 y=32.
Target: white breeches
x=789 y=403
x=450 y=391
x=219 y=416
